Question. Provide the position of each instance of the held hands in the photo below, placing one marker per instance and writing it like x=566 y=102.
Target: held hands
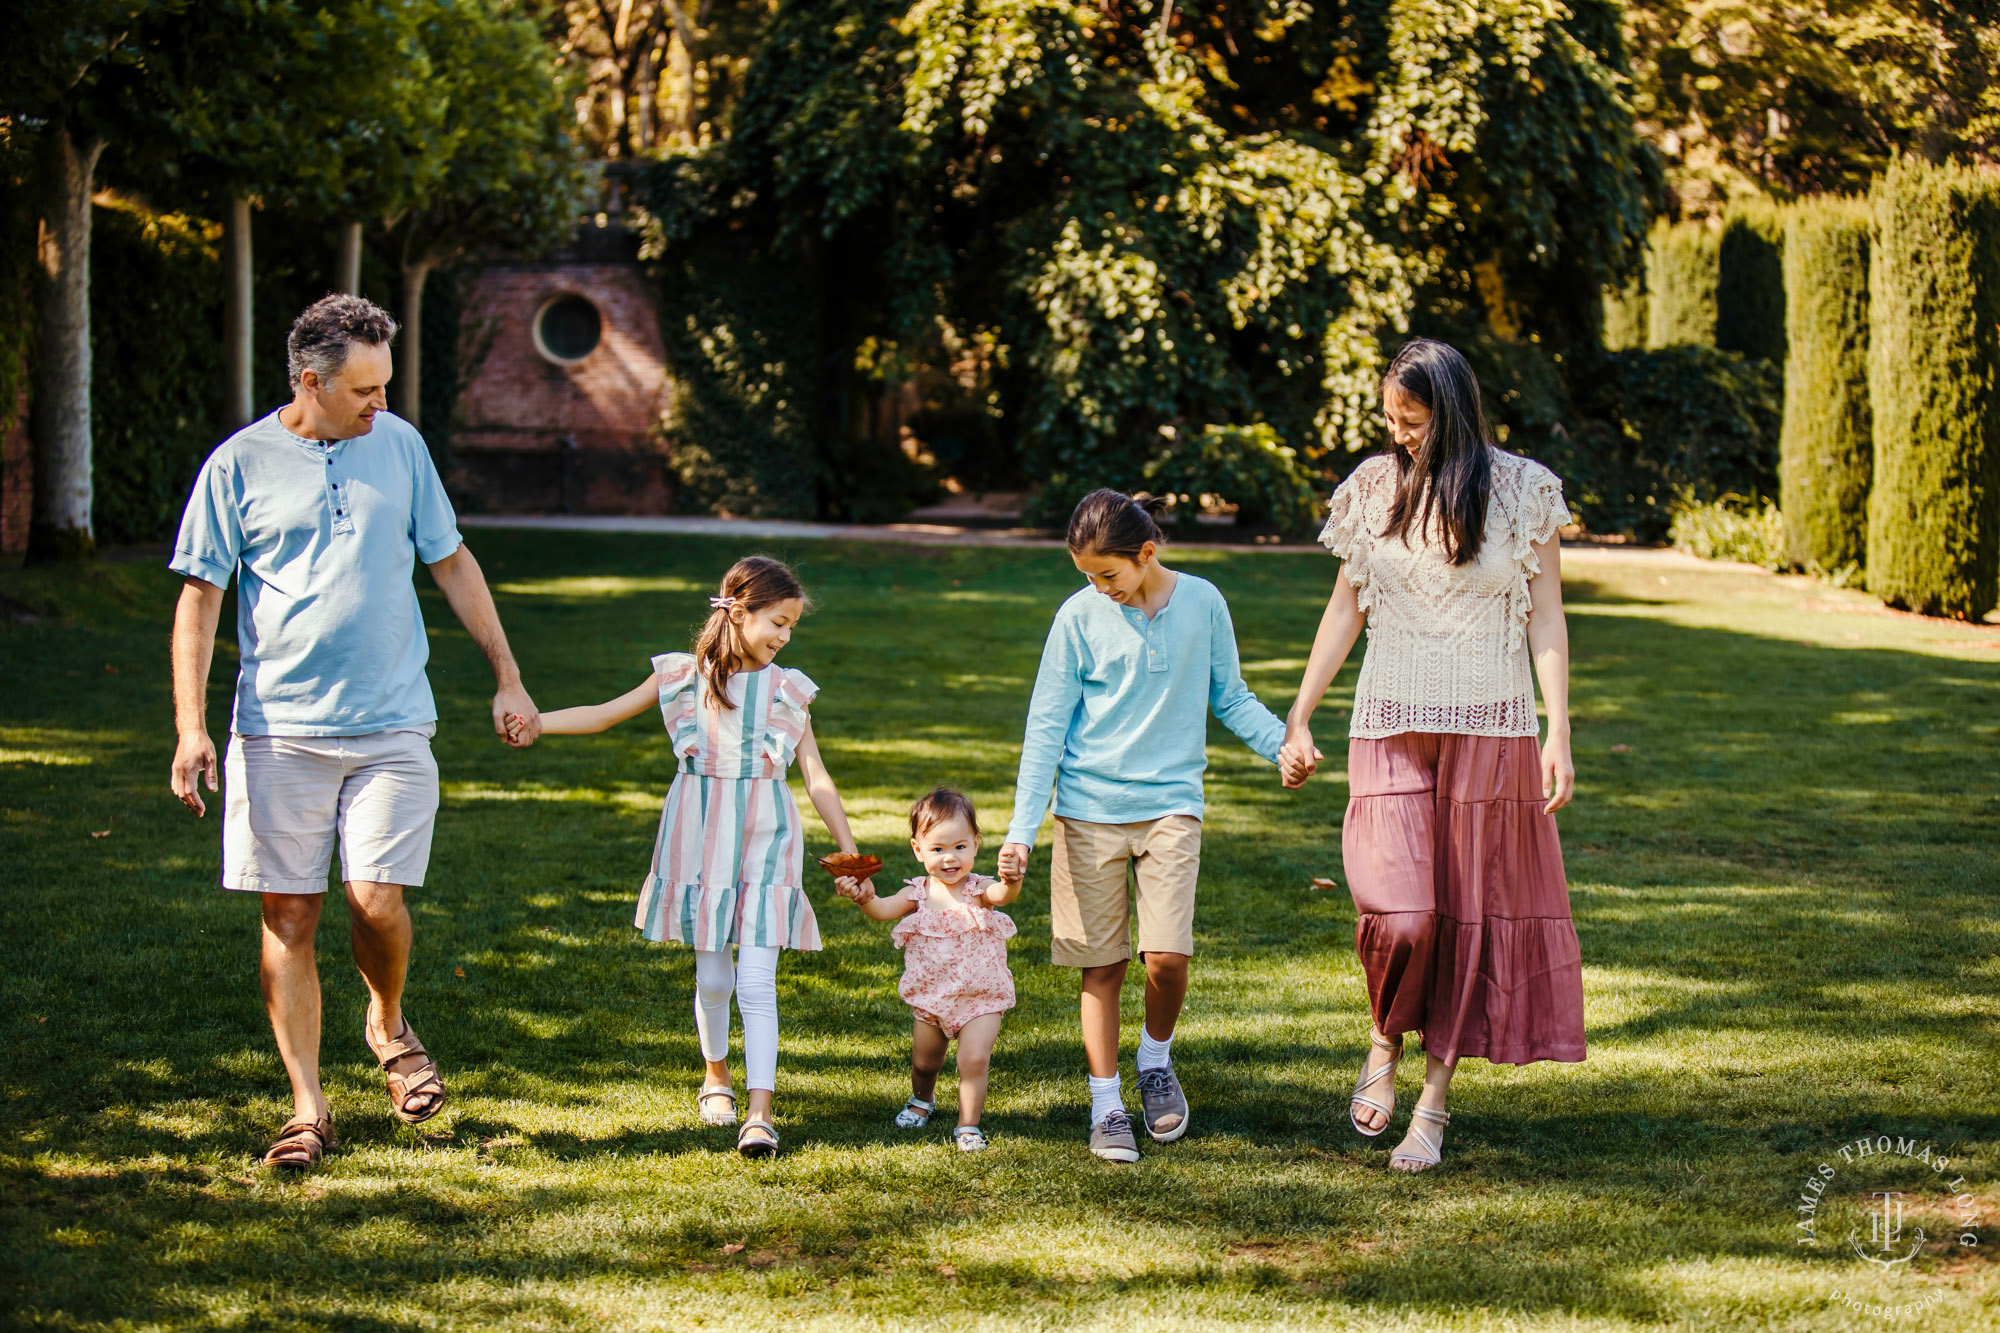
x=1558 y=772
x=1013 y=862
x=1298 y=758
x=858 y=890
x=516 y=720
x=193 y=755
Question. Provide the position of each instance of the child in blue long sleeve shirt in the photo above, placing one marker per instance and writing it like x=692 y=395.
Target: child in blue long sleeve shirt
x=1118 y=725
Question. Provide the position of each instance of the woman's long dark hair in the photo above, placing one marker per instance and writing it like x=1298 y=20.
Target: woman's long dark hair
x=1452 y=471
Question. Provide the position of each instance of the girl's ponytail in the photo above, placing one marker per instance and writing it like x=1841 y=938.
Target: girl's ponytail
x=752 y=583
x=1113 y=523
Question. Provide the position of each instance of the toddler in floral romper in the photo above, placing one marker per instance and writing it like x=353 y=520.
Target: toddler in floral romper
x=955 y=975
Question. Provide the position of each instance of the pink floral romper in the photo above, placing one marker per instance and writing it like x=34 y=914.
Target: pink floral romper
x=954 y=962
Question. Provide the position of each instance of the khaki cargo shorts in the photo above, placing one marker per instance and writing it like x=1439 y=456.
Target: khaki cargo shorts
x=288 y=797
x=1089 y=900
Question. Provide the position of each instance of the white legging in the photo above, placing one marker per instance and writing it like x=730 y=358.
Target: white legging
x=755 y=980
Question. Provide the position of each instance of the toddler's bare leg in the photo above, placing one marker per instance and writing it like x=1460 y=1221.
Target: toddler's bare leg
x=975 y=1054
x=927 y=1047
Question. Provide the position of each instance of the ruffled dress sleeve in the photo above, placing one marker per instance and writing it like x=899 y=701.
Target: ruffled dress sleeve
x=791 y=704
x=1539 y=513
x=920 y=893
x=1347 y=532
x=679 y=691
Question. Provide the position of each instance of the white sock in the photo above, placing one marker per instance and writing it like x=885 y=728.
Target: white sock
x=1105 y=1097
x=1154 y=1053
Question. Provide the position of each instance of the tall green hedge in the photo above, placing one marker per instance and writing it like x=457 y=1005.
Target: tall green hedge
x=1682 y=264
x=1626 y=311
x=1750 y=282
x=1934 y=384
x=1657 y=427
x=156 y=367
x=1824 y=452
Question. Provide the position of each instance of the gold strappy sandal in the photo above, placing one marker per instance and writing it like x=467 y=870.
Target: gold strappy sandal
x=1367 y=1080
x=1429 y=1152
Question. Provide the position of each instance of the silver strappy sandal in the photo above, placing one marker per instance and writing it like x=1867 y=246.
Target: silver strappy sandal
x=716 y=1115
x=1430 y=1147
x=757 y=1138
x=1367 y=1080
x=916 y=1113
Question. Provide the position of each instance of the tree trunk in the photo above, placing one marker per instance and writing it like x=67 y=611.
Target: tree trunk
x=684 y=29
x=237 y=406
x=349 y=277
x=411 y=374
x=60 y=417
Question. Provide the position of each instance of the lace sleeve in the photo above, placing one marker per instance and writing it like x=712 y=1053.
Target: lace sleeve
x=1539 y=515
x=1347 y=532
x=1539 y=512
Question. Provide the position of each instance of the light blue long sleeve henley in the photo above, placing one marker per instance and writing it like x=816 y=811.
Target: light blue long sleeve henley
x=1118 y=723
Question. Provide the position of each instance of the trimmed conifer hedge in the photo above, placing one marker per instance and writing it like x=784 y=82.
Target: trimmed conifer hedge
x=1824 y=451
x=1750 y=282
x=1682 y=263
x=1934 y=386
x=1625 y=316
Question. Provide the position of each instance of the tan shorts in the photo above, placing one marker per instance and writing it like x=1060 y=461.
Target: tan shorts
x=1089 y=904
x=289 y=796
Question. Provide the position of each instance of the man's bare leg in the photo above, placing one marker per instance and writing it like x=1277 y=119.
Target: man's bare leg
x=379 y=929
x=289 y=974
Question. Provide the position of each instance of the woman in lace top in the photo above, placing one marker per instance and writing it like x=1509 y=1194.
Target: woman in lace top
x=1449 y=558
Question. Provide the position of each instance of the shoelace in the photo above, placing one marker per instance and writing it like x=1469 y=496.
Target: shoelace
x=1155 y=1080
x=1117 y=1122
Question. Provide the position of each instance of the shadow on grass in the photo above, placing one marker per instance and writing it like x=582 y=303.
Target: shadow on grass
x=1792 y=852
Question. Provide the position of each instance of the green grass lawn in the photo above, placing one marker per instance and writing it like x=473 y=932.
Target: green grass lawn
x=1782 y=861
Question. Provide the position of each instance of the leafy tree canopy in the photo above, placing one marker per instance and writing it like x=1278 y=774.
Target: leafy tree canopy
x=1748 y=98
x=1138 y=217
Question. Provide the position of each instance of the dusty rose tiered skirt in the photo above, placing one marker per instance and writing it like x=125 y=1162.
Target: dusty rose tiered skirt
x=1465 y=932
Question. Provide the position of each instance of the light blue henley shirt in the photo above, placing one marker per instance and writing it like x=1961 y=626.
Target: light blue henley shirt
x=326 y=534
x=1119 y=718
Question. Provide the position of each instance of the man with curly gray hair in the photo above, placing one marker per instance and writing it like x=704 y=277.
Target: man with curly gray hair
x=322 y=510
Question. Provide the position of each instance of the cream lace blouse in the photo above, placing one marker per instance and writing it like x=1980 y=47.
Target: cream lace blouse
x=1447 y=645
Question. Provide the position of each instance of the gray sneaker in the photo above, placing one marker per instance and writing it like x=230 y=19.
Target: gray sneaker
x=1163 y=1104
x=1112 y=1138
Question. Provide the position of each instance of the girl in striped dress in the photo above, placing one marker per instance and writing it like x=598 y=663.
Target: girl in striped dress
x=729 y=861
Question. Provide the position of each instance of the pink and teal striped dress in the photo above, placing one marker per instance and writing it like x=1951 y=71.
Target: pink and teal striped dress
x=729 y=862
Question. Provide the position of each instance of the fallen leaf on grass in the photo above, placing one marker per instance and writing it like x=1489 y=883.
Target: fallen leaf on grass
x=946 y=1270
x=734 y=1247
x=1621 y=749
x=458 y=971
x=105 y=834
x=1320 y=882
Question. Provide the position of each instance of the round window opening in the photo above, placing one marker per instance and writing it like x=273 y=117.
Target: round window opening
x=568 y=328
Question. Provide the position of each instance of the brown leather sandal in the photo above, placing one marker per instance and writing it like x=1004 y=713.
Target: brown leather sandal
x=301 y=1143
x=404 y=1088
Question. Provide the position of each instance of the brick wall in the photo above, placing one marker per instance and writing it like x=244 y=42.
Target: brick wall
x=518 y=406
x=17 y=472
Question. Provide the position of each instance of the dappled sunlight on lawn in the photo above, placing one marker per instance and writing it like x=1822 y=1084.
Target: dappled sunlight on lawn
x=1781 y=866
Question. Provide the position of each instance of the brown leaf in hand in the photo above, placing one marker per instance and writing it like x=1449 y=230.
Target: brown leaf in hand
x=854 y=865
